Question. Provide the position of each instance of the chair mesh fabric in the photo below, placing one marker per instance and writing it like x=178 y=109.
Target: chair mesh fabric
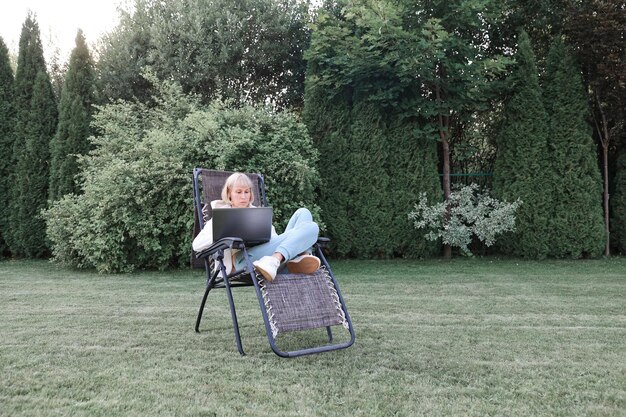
x=302 y=301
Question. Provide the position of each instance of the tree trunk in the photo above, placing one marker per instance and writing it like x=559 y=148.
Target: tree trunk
x=447 y=249
x=605 y=140
x=605 y=162
x=444 y=122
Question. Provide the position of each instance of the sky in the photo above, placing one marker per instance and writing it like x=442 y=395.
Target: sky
x=59 y=21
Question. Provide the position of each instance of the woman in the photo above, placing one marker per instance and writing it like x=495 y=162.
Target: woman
x=290 y=247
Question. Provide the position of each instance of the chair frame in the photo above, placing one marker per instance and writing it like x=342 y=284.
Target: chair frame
x=247 y=277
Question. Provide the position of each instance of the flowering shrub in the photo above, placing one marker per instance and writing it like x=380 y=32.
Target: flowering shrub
x=468 y=212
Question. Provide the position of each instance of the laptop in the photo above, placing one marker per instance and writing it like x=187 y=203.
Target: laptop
x=252 y=224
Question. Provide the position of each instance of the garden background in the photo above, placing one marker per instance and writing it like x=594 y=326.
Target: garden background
x=362 y=111
x=353 y=109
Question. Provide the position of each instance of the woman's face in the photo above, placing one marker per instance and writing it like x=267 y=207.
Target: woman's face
x=240 y=196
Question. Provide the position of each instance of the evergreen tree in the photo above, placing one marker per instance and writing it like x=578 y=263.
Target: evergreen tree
x=36 y=116
x=375 y=158
x=57 y=70
x=329 y=121
x=522 y=168
x=73 y=130
x=618 y=205
x=576 y=222
x=6 y=142
x=370 y=148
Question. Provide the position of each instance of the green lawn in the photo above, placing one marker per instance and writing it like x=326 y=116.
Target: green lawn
x=466 y=337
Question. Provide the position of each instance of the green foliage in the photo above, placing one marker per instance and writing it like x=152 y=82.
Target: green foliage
x=275 y=144
x=75 y=111
x=369 y=201
x=30 y=187
x=522 y=169
x=382 y=78
x=576 y=221
x=136 y=207
x=399 y=53
x=329 y=124
x=541 y=20
x=36 y=119
x=410 y=169
x=596 y=30
x=249 y=51
x=7 y=119
x=468 y=213
x=57 y=71
x=618 y=205
x=365 y=157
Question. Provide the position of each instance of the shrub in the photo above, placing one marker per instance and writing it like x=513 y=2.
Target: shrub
x=471 y=213
x=136 y=210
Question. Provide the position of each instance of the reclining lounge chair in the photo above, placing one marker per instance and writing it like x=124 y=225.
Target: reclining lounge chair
x=291 y=302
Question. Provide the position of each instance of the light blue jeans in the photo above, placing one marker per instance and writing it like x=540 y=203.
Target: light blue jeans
x=299 y=235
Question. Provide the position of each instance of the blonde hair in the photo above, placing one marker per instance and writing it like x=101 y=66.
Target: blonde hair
x=236 y=179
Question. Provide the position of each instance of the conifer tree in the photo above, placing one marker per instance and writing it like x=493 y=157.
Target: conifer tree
x=36 y=117
x=73 y=130
x=618 y=205
x=329 y=123
x=6 y=142
x=370 y=146
x=522 y=167
x=576 y=222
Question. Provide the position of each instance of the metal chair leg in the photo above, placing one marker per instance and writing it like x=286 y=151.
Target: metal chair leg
x=209 y=286
x=199 y=318
x=233 y=313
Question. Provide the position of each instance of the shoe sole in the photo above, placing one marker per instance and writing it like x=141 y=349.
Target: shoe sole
x=263 y=272
x=307 y=265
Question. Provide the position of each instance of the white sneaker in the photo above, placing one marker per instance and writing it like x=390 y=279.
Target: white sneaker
x=304 y=264
x=267 y=266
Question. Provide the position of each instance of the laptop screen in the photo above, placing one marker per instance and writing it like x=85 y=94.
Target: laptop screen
x=252 y=224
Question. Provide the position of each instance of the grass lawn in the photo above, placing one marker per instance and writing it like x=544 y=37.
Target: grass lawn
x=465 y=337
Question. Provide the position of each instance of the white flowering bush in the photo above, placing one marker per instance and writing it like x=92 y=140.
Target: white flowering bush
x=468 y=213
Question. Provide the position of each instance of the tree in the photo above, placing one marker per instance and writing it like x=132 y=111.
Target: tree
x=75 y=111
x=374 y=158
x=36 y=117
x=56 y=70
x=597 y=29
x=522 y=169
x=464 y=68
x=542 y=20
x=422 y=65
x=6 y=142
x=249 y=51
x=576 y=224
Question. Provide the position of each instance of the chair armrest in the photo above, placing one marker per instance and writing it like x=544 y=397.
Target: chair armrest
x=222 y=244
x=323 y=241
